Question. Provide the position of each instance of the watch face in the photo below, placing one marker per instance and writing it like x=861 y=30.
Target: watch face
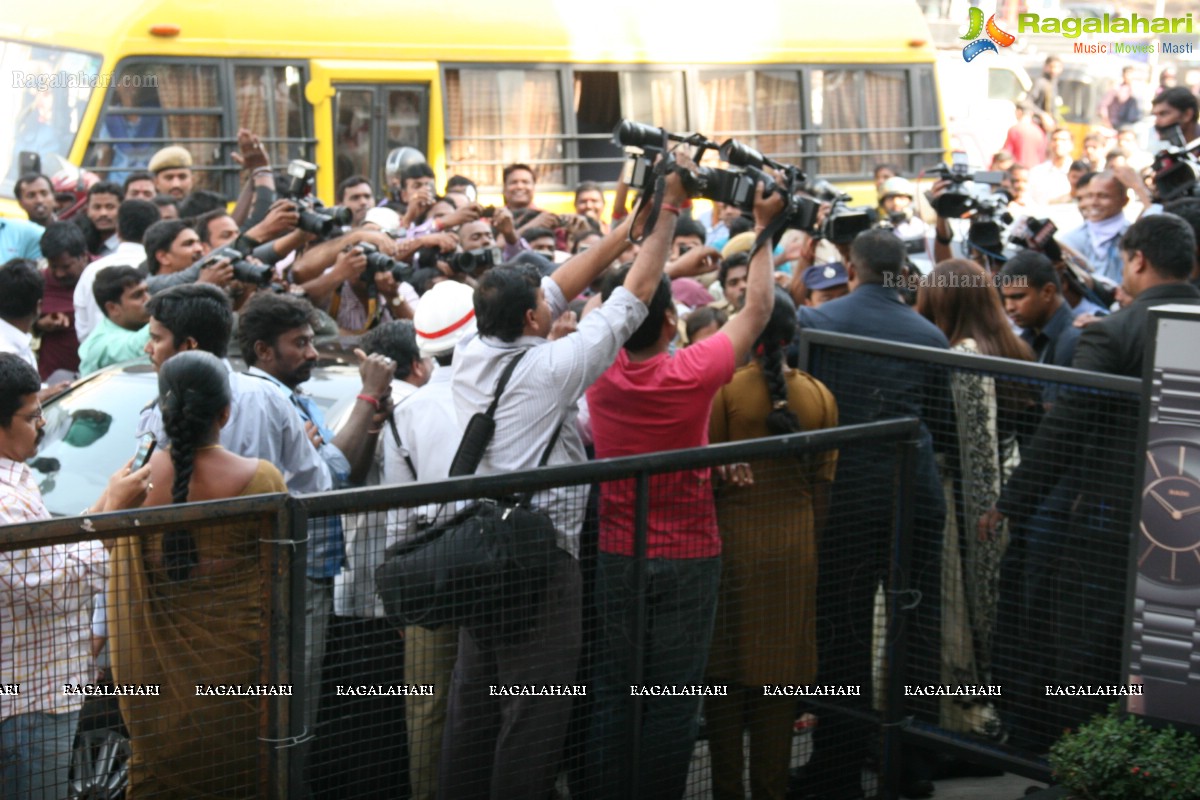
x=1169 y=545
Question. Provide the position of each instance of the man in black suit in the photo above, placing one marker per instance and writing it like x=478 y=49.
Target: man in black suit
x=1070 y=496
x=854 y=548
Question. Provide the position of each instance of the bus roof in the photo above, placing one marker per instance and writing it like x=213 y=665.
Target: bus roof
x=484 y=30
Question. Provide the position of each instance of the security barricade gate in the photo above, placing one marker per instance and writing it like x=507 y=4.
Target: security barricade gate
x=672 y=655
x=1014 y=627
x=162 y=637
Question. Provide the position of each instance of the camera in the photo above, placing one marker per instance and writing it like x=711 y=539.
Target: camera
x=960 y=200
x=381 y=262
x=1176 y=168
x=843 y=222
x=473 y=262
x=315 y=218
x=989 y=222
x=243 y=270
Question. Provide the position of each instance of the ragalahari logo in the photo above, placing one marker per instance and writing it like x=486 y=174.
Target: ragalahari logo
x=995 y=36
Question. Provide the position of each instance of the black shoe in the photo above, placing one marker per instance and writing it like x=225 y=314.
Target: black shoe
x=917 y=788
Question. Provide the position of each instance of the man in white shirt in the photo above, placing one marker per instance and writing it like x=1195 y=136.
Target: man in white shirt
x=511 y=746
x=426 y=438
x=133 y=218
x=1048 y=181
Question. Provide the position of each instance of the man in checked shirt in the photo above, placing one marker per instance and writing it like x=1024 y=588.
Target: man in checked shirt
x=45 y=604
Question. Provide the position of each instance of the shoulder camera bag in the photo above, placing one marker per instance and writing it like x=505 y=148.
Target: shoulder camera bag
x=487 y=566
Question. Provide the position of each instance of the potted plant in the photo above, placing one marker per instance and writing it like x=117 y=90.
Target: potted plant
x=1119 y=757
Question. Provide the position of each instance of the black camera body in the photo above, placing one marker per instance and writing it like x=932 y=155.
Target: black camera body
x=1176 y=168
x=473 y=262
x=243 y=270
x=315 y=218
x=381 y=262
x=990 y=221
x=961 y=200
x=843 y=222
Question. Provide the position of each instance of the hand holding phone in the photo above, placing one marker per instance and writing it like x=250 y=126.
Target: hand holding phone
x=146 y=445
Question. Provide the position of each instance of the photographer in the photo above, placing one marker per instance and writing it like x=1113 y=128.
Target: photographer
x=357 y=291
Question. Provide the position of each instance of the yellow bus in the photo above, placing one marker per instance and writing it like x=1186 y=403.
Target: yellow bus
x=473 y=85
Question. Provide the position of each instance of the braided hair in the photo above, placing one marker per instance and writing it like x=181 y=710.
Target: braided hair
x=769 y=350
x=193 y=388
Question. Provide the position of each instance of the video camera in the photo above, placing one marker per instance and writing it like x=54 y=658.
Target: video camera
x=243 y=270
x=989 y=221
x=1177 y=168
x=960 y=200
x=843 y=222
x=315 y=218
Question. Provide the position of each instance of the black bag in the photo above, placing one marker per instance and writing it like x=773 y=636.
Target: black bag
x=485 y=568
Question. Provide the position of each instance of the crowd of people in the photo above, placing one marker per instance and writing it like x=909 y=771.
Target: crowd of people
x=632 y=341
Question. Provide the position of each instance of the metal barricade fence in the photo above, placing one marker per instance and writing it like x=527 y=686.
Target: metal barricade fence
x=639 y=669
x=162 y=643
x=1012 y=634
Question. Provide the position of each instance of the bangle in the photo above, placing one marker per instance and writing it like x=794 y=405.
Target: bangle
x=366 y=398
x=673 y=209
x=437 y=225
x=940 y=240
x=374 y=431
x=619 y=213
x=260 y=171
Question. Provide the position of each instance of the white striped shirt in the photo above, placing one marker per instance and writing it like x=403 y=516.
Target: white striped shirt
x=544 y=390
x=45 y=606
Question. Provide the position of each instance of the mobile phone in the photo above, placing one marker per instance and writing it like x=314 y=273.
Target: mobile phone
x=489 y=211
x=146 y=445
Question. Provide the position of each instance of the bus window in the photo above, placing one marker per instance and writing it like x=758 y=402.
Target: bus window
x=1003 y=84
x=352 y=132
x=597 y=112
x=760 y=109
x=364 y=134
x=655 y=98
x=43 y=109
x=502 y=116
x=860 y=117
x=182 y=105
x=269 y=101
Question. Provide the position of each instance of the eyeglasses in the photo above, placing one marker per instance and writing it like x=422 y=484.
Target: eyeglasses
x=35 y=417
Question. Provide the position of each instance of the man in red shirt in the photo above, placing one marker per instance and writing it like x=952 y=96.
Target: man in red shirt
x=646 y=402
x=1026 y=140
x=65 y=248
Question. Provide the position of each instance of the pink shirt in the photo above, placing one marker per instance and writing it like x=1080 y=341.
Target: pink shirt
x=647 y=407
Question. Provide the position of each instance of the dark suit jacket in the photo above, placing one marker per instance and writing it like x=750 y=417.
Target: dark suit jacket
x=1088 y=439
x=870 y=388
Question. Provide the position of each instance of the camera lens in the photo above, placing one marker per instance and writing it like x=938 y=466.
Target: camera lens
x=741 y=155
x=634 y=134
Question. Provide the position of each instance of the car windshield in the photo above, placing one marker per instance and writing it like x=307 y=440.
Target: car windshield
x=42 y=98
x=90 y=430
x=89 y=434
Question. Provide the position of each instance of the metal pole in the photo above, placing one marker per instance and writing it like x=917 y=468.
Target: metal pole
x=896 y=641
x=640 y=534
x=275 y=563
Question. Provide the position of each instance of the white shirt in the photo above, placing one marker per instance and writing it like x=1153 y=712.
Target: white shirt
x=45 y=606
x=87 y=312
x=544 y=390
x=16 y=341
x=366 y=535
x=1048 y=183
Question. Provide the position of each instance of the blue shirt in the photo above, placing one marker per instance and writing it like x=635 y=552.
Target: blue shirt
x=1105 y=261
x=326 y=543
x=20 y=238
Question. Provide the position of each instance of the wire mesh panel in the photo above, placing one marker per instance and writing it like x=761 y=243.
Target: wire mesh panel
x=143 y=659
x=1019 y=549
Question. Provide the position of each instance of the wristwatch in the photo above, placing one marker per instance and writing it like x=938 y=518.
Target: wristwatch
x=1166 y=618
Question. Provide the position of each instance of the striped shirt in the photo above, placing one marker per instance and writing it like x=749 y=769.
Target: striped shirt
x=544 y=390
x=45 y=606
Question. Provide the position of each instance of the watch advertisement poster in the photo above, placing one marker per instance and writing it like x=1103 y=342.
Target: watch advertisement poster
x=1163 y=652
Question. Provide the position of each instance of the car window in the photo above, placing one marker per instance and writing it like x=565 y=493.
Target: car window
x=89 y=435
